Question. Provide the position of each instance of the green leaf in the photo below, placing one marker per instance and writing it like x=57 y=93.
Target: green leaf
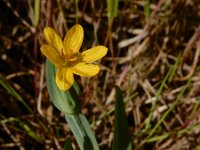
x=112 y=8
x=30 y=132
x=122 y=137
x=68 y=145
x=12 y=91
x=82 y=131
x=25 y=128
x=36 y=12
x=65 y=101
x=153 y=107
x=147 y=9
x=163 y=117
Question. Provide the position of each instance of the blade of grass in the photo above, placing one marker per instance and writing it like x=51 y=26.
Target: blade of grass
x=25 y=128
x=122 y=137
x=166 y=113
x=36 y=12
x=170 y=107
x=153 y=107
x=147 y=9
x=68 y=145
x=168 y=78
x=29 y=131
x=179 y=133
x=174 y=67
x=112 y=8
x=11 y=91
x=195 y=107
x=158 y=138
x=185 y=130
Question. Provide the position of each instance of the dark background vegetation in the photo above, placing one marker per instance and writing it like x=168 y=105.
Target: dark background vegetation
x=145 y=41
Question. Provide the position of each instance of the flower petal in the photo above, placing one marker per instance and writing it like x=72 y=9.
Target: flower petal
x=85 y=70
x=94 y=53
x=52 y=55
x=53 y=39
x=73 y=39
x=64 y=78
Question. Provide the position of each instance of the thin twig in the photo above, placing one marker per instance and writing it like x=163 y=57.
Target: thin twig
x=39 y=100
x=194 y=64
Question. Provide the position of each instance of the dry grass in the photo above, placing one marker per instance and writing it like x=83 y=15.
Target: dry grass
x=153 y=58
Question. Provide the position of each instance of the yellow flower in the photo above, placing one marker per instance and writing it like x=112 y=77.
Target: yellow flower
x=66 y=57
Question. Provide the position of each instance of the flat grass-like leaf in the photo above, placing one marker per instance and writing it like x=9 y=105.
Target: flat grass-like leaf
x=171 y=107
x=30 y=132
x=12 y=91
x=68 y=145
x=169 y=76
x=147 y=9
x=82 y=131
x=65 y=101
x=112 y=8
x=153 y=107
x=36 y=12
x=122 y=138
x=25 y=128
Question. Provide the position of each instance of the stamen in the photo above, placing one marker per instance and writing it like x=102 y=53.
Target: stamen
x=62 y=53
x=73 y=58
x=70 y=57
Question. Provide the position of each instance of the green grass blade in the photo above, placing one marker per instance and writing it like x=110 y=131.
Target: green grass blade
x=148 y=120
x=170 y=108
x=174 y=68
x=24 y=128
x=11 y=91
x=82 y=131
x=196 y=106
x=122 y=138
x=177 y=133
x=65 y=101
x=147 y=9
x=68 y=145
x=168 y=78
x=30 y=132
x=112 y=8
x=158 y=138
x=166 y=113
x=36 y=12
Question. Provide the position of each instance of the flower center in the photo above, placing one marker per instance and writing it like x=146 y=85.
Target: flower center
x=73 y=57
x=70 y=57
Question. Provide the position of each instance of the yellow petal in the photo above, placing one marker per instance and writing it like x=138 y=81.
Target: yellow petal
x=53 y=39
x=73 y=39
x=94 y=53
x=85 y=70
x=64 y=78
x=52 y=55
